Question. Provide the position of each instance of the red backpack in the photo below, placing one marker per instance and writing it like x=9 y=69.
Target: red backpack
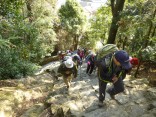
x=134 y=61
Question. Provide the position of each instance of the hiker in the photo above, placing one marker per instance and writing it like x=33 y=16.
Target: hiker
x=69 y=70
x=90 y=63
x=85 y=50
x=77 y=60
x=60 y=55
x=67 y=56
x=112 y=69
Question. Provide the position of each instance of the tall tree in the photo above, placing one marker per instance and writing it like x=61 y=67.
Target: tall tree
x=98 y=31
x=116 y=7
x=73 y=20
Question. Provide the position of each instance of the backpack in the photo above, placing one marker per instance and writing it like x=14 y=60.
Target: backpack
x=66 y=58
x=87 y=58
x=77 y=59
x=105 y=50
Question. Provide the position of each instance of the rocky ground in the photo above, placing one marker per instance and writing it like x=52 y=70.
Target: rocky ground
x=44 y=96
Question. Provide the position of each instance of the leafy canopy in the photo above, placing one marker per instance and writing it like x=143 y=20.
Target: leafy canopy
x=72 y=17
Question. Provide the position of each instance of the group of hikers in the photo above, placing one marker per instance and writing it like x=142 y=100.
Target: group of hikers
x=111 y=64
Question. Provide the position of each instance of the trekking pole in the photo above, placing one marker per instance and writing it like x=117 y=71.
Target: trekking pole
x=80 y=71
x=94 y=70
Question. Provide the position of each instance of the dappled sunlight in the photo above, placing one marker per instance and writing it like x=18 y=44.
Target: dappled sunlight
x=6 y=111
x=75 y=88
x=73 y=106
x=46 y=80
x=2 y=113
x=26 y=96
x=98 y=45
x=8 y=89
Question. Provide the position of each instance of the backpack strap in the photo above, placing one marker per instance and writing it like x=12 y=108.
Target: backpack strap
x=110 y=69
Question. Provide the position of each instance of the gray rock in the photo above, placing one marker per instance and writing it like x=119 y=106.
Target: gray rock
x=122 y=99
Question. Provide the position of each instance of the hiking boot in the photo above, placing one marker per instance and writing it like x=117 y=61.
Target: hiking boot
x=112 y=96
x=100 y=104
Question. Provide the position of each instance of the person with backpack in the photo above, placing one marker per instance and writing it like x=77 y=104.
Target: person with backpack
x=77 y=60
x=112 y=68
x=69 y=70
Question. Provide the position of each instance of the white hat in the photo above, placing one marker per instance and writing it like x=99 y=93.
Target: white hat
x=69 y=63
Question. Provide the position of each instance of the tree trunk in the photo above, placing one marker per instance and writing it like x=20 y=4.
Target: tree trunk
x=117 y=7
x=150 y=30
x=148 y=34
x=136 y=72
x=152 y=35
x=124 y=43
x=75 y=42
x=28 y=4
x=112 y=32
x=29 y=15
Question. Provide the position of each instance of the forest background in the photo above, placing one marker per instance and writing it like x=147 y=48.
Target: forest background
x=30 y=30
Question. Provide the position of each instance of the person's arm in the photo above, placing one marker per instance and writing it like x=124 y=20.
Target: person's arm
x=120 y=73
x=61 y=69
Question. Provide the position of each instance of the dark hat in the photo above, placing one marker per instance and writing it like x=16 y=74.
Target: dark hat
x=123 y=58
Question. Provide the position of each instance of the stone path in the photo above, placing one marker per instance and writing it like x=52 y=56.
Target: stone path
x=82 y=97
x=45 y=96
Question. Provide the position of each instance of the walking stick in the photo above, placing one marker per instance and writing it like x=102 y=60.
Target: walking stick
x=80 y=72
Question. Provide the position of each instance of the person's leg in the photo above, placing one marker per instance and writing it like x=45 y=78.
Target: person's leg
x=91 y=68
x=88 y=67
x=102 y=88
x=116 y=88
x=66 y=81
x=70 y=78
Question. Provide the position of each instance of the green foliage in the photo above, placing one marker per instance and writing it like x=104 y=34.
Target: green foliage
x=10 y=8
x=136 y=26
x=72 y=17
x=100 y=23
x=73 y=22
x=4 y=43
x=12 y=66
x=25 y=40
x=149 y=53
x=32 y=39
x=44 y=18
x=15 y=49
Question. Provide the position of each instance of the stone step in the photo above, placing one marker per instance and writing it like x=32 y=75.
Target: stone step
x=34 y=111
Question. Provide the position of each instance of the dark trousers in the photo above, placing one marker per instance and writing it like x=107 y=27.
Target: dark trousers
x=90 y=68
x=115 y=89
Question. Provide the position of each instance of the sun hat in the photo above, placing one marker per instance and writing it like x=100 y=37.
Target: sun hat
x=69 y=63
x=123 y=58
